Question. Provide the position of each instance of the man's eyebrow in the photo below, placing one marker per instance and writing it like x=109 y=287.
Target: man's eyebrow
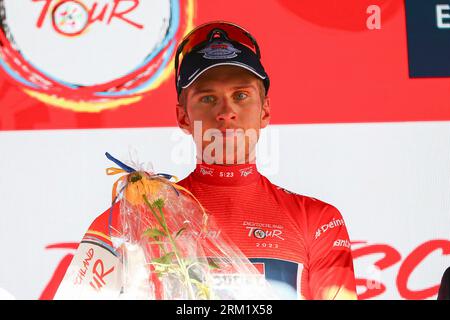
x=207 y=89
x=246 y=86
x=201 y=90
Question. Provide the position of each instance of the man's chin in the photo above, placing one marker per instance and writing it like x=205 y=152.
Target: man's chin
x=230 y=151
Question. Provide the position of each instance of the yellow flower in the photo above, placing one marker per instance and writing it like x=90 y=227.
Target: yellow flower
x=140 y=184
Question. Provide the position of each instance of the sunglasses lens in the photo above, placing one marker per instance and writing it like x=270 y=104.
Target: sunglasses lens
x=204 y=33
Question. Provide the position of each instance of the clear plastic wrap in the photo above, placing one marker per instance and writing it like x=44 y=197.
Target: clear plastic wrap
x=172 y=249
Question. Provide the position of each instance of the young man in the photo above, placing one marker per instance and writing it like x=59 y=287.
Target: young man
x=301 y=242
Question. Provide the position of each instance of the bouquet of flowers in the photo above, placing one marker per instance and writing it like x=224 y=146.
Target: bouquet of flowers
x=170 y=246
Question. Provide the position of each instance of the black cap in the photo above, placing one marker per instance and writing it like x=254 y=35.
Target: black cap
x=219 y=51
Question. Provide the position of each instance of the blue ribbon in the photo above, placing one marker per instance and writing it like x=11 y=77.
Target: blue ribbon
x=120 y=163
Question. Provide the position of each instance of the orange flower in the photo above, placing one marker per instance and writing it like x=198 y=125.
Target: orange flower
x=140 y=184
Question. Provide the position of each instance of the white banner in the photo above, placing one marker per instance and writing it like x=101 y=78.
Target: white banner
x=391 y=182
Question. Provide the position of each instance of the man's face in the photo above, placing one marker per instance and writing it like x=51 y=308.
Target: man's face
x=224 y=112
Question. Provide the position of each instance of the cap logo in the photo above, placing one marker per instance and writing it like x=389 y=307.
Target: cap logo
x=219 y=50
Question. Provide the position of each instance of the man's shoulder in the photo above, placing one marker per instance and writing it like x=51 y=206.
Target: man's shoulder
x=100 y=228
x=187 y=180
x=291 y=196
x=300 y=205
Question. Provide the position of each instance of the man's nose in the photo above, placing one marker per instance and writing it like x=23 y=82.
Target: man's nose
x=226 y=112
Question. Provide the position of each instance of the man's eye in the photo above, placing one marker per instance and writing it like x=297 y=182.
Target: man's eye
x=207 y=99
x=241 y=96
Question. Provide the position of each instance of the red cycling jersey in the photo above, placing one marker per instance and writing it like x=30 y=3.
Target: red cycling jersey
x=299 y=243
x=302 y=242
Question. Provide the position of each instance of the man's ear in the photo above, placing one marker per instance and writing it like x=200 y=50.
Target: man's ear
x=183 y=119
x=265 y=112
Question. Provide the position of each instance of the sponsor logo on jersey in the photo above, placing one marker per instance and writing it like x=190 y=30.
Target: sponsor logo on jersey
x=246 y=171
x=294 y=193
x=258 y=233
x=264 y=230
x=206 y=171
x=202 y=234
x=342 y=243
x=330 y=225
x=211 y=234
x=287 y=191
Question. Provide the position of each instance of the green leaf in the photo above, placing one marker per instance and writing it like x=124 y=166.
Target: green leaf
x=159 y=203
x=154 y=233
x=159 y=268
x=157 y=242
x=158 y=218
x=180 y=232
x=165 y=259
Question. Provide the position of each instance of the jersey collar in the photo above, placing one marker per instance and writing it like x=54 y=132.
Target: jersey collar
x=231 y=175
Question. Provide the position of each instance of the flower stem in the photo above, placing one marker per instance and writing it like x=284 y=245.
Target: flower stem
x=162 y=221
x=184 y=270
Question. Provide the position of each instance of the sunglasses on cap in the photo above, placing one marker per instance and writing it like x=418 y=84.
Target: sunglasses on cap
x=218 y=31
